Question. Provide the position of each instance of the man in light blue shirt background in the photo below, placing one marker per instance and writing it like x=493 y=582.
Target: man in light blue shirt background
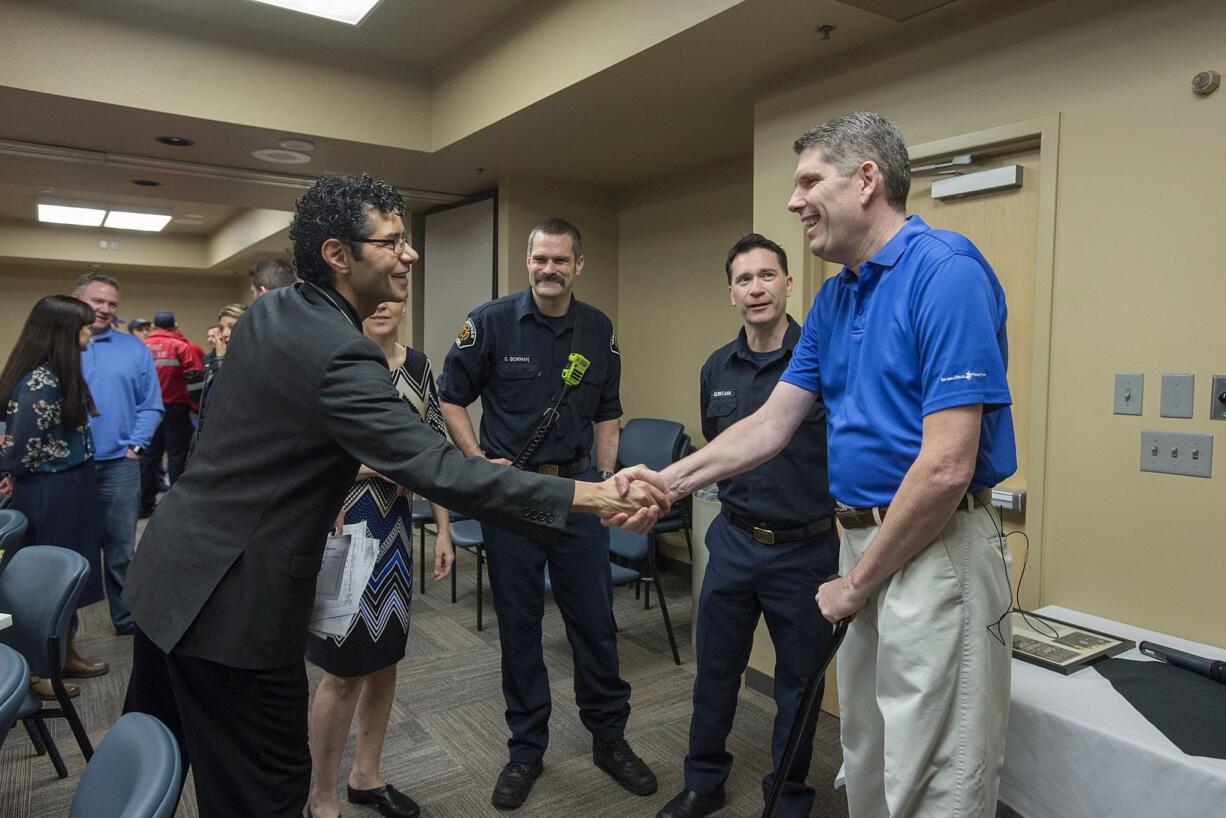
x=123 y=382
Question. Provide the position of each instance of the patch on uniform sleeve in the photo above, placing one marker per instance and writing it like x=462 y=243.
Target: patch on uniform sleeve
x=613 y=344
x=468 y=334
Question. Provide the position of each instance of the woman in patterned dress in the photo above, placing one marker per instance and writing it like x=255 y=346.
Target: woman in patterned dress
x=46 y=457
x=360 y=668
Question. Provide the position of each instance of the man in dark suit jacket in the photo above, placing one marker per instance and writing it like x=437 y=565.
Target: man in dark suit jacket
x=223 y=583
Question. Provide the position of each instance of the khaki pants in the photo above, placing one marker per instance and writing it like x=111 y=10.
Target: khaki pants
x=923 y=685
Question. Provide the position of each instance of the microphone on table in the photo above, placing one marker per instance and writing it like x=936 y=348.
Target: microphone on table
x=1209 y=668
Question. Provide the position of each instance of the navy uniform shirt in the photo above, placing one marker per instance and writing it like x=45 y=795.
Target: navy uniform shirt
x=790 y=489
x=511 y=356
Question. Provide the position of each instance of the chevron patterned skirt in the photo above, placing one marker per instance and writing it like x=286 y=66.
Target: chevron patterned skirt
x=381 y=630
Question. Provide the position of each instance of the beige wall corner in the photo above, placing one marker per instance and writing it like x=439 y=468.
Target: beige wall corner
x=547 y=46
x=249 y=231
x=673 y=300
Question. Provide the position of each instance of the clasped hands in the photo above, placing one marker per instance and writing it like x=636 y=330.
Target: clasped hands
x=641 y=499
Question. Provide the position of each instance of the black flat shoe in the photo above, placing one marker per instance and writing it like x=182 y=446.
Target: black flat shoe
x=514 y=783
x=387 y=799
x=689 y=804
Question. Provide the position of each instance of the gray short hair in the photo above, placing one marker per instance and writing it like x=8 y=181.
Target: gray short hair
x=554 y=226
x=93 y=278
x=863 y=136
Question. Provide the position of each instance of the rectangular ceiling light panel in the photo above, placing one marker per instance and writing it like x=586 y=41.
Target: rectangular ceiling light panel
x=352 y=12
x=70 y=214
x=128 y=220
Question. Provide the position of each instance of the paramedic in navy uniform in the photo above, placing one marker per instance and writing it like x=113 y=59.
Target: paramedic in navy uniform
x=773 y=543
x=510 y=353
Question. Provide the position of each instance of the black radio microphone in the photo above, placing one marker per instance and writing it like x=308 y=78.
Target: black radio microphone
x=1209 y=668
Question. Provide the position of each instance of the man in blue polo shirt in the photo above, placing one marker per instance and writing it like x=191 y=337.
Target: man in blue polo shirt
x=906 y=346
x=124 y=384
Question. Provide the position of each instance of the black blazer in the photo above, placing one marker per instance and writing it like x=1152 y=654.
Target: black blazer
x=226 y=568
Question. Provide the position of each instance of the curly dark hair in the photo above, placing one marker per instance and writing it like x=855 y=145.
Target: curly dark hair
x=335 y=208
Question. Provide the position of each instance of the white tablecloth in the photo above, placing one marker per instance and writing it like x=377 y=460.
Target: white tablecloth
x=1077 y=748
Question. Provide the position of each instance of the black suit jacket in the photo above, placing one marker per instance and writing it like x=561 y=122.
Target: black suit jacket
x=226 y=568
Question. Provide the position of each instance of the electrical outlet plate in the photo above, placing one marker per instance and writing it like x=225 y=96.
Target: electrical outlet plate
x=1177 y=453
x=1129 y=389
x=1177 y=391
x=1217 y=398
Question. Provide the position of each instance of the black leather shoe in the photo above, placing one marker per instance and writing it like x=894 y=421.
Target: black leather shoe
x=618 y=760
x=388 y=800
x=688 y=804
x=514 y=783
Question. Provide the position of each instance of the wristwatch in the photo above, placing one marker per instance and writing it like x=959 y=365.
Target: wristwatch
x=606 y=474
x=137 y=450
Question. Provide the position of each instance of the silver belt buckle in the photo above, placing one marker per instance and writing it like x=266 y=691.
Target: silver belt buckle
x=764 y=535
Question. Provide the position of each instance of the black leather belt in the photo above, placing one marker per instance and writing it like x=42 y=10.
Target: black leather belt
x=564 y=469
x=863 y=517
x=768 y=536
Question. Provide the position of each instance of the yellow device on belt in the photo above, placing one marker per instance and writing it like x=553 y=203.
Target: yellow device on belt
x=572 y=375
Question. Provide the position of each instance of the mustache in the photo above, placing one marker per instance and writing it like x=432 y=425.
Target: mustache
x=550 y=277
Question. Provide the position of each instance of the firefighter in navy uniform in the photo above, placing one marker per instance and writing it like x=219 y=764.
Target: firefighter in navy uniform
x=773 y=543
x=511 y=353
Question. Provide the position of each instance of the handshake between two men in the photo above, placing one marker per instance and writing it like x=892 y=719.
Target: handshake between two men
x=625 y=500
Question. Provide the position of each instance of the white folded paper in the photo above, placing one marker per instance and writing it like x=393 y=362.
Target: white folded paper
x=348 y=561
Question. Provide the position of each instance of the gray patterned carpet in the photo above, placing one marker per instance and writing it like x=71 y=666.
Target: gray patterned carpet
x=446 y=741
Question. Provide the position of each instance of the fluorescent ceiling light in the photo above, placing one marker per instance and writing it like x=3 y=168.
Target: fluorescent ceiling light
x=70 y=214
x=131 y=220
x=352 y=12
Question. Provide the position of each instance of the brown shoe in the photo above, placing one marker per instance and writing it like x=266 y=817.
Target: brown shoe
x=78 y=667
x=47 y=693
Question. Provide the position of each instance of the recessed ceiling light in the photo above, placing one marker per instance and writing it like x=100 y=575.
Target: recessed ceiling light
x=63 y=213
x=281 y=156
x=147 y=182
x=176 y=141
x=352 y=12
x=304 y=145
x=149 y=221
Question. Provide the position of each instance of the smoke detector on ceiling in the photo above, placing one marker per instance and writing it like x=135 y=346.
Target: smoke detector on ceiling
x=281 y=156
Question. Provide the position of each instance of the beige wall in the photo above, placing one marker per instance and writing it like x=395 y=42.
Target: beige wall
x=673 y=300
x=1135 y=281
x=673 y=297
x=194 y=300
x=522 y=203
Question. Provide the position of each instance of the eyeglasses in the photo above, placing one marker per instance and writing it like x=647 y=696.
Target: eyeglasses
x=397 y=245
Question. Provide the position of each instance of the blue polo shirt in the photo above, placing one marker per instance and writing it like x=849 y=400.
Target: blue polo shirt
x=119 y=371
x=921 y=328
x=511 y=357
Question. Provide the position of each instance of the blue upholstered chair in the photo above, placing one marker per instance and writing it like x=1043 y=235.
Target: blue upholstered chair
x=635 y=550
x=135 y=773
x=14 y=685
x=467 y=534
x=12 y=533
x=40 y=588
x=658 y=443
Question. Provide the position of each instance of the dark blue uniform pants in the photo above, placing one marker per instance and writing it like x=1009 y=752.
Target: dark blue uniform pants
x=579 y=574
x=745 y=578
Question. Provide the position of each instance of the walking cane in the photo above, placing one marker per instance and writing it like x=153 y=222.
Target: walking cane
x=808 y=701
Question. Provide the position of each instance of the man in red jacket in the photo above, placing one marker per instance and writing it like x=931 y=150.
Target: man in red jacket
x=180 y=368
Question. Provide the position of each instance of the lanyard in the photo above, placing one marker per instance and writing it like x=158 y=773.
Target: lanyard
x=332 y=301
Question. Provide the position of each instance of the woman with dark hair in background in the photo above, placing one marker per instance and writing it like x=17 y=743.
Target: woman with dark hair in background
x=47 y=452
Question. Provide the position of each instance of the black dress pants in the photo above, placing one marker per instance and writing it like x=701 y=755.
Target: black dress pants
x=172 y=438
x=244 y=732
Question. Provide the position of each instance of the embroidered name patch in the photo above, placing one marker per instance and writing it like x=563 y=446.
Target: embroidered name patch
x=723 y=393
